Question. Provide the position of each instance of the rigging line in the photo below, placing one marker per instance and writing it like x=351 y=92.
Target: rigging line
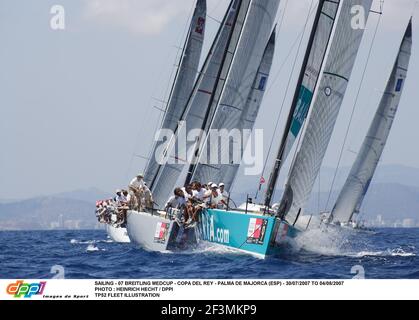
x=161 y=116
x=215 y=8
x=275 y=78
x=354 y=107
x=300 y=38
x=173 y=75
x=210 y=15
x=214 y=19
x=281 y=20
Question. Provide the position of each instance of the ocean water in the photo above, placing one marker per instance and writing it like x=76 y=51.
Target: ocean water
x=382 y=254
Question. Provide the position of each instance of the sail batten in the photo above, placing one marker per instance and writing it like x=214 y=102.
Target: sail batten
x=357 y=184
x=324 y=111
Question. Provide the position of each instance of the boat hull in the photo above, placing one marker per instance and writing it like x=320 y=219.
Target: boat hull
x=251 y=233
x=148 y=231
x=118 y=234
x=254 y=234
x=157 y=233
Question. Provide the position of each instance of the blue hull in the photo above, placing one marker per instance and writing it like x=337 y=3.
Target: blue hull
x=255 y=234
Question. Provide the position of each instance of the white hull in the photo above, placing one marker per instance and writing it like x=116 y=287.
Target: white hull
x=157 y=232
x=118 y=234
x=142 y=228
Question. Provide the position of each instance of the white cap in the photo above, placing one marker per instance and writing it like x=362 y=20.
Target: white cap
x=118 y=191
x=221 y=185
x=210 y=183
x=214 y=186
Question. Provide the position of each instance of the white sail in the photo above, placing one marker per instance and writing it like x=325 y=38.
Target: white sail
x=312 y=72
x=211 y=165
x=309 y=75
x=324 y=111
x=247 y=113
x=362 y=172
x=200 y=103
x=184 y=81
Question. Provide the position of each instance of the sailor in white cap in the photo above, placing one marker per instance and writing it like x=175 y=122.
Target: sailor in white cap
x=224 y=193
x=137 y=182
x=120 y=198
x=137 y=185
x=215 y=200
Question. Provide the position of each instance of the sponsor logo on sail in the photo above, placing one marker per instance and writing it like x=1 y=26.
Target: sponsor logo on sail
x=399 y=85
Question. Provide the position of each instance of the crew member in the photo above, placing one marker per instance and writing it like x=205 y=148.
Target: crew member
x=221 y=188
x=137 y=187
x=215 y=201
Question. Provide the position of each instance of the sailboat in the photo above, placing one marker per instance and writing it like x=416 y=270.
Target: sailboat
x=356 y=186
x=249 y=228
x=181 y=90
x=322 y=118
x=253 y=231
x=235 y=62
x=263 y=229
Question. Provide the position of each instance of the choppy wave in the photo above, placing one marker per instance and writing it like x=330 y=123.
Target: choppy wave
x=335 y=242
x=398 y=252
x=75 y=241
x=93 y=248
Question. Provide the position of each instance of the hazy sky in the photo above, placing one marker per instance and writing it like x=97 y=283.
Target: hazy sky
x=77 y=104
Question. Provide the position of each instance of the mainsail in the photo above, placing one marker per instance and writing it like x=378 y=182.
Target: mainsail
x=309 y=75
x=183 y=83
x=324 y=111
x=356 y=186
x=200 y=105
x=222 y=152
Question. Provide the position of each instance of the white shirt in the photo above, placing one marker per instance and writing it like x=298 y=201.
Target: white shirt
x=224 y=194
x=175 y=202
x=187 y=195
x=215 y=200
x=121 y=199
x=137 y=184
x=202 y=194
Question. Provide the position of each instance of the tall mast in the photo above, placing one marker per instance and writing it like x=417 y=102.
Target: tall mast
x=280 y=155
x=183 y=83
x=210 y=111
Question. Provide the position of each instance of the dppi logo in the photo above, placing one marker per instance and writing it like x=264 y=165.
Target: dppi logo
x=27 y=290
